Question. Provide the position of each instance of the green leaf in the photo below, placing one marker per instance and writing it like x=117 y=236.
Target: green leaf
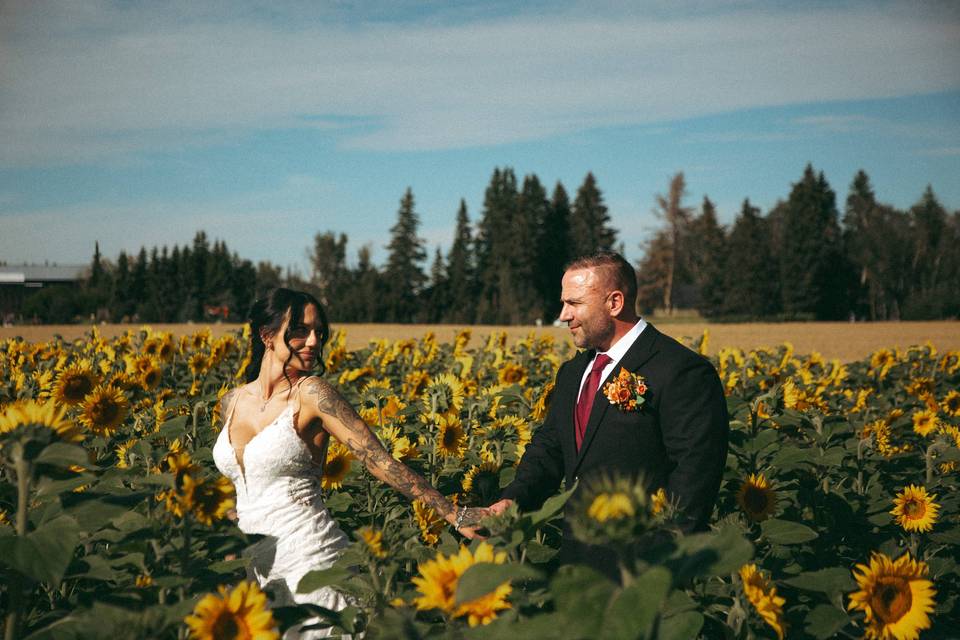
x=314 y=580
x=173 y=428
x=711 y=553
x=681 y=626
x=790 y=457
x=787 y=532
x=94 y=514
x=761 y=441
x=539 y=553
x=832 y=457
x=338 y=502
x=581 y=594
x=632 y=613
x=950 y=536
x=62 y=454
x=829 y=581
x=44 y=553
x=228 y=566
x=507 y=474
x=485 y=577
x=825 y=620
x=551 y=507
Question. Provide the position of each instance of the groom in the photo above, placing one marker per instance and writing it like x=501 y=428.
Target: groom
x=677 y=439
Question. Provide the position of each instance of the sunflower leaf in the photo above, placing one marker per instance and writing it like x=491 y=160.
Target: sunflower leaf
x=320 y=578
x=44 y=553
x=484 y=577
x=633 y=611
x=62 y=454
x=829 y=581
x=681 y=626
x=825 y=620
x=787 y=532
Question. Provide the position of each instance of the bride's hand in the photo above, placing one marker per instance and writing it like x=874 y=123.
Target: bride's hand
x=468 y=522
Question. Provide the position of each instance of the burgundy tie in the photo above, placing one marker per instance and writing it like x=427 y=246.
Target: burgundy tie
x=587 y=393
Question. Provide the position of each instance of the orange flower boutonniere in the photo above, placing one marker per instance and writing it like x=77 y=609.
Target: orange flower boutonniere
x=627 y=391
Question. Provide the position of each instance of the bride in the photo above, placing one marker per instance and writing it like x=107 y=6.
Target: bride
x=273 y=445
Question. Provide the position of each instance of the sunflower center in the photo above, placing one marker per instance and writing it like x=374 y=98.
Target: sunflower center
x=914 y=509
x=104 y=411
x=226 y=626
x=76 y=388
x=449 y=438
x=756 y=500
x=891 y=599
x=335 y=467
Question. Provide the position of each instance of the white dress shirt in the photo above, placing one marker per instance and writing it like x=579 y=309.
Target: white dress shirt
x=616 y=352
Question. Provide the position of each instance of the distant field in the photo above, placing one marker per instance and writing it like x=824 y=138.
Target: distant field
x=842 y=340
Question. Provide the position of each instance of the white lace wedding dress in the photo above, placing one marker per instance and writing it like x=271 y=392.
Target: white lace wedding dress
x=278 y=496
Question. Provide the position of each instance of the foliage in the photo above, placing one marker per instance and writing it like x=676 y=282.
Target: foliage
x=124 y=532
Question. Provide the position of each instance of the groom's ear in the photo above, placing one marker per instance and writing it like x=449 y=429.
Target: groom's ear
x=615 y=302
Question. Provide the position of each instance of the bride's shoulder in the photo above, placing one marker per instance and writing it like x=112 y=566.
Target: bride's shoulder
x=230 y=396
x=317 y=392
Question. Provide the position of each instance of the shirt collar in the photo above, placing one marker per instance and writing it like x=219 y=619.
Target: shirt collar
x=621 y=346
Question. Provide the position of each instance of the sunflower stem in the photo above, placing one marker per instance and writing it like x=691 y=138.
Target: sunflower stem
x=24 y=471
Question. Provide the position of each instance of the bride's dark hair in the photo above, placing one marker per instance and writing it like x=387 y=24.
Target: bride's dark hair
x=267 y=315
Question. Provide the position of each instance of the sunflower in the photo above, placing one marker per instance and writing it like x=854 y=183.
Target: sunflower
x=373 y=541
x=150 y=378
x=895 y=597
x=914 y=509
x=611 y=506
x=438 y=579
x=74 y=383
x=404 y=449
x=123 y=453
x=512 y=373
x=444 y=395
x=483 y=480
x=540 y=407
x=339 y=461
x=104 y=410
x=951 y=404
x=208 y=500
x=881 y=361
x=198 y=363
x=31 y=413
x=756 y=498
x=430 y=523
x=924 y=422
x=658 y=501
x=414 y=382
x=763 y=596
x=451 y=440
x=239 y=613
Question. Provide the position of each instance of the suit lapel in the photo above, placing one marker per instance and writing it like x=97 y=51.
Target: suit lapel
x=642 y=350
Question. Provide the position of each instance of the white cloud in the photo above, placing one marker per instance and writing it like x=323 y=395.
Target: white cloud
x=92 y=81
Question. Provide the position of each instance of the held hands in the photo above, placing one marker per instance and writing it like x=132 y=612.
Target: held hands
x=467 y=521
x=497 y=508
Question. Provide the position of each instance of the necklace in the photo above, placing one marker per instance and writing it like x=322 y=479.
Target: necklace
x=264 y=403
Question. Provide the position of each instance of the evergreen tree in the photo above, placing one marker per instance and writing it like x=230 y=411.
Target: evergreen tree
x=810 y=256
x=199 y=289
x=555 y=251
x=653 y=270
x=436 y=296
x=404 y=277
x=928 y=227
x=590 y=229
x=366 y=289
x=329 y=271
x=751 y=279
x=707 y=260
x=494 y=248
x=525 y=252
x=460 y=271
x=121 y=298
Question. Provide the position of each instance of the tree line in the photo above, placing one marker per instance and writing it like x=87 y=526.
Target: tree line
x=803 y=260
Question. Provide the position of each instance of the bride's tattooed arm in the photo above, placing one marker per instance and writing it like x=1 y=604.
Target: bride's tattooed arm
x=368 y=449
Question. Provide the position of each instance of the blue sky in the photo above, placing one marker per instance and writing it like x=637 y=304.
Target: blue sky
x=263 y=123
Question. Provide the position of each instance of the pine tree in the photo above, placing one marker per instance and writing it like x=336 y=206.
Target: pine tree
x=527 y=245
x=404 y=277
x=751 y=280
x=707 y=258
x=928 y=224
x=121 y=298
x=590 y=229
x=436 y=295
x=461 y=272
x=494 y=246
x=555 y=251
x=676 y=219
x=811 y=273
x=329 y=271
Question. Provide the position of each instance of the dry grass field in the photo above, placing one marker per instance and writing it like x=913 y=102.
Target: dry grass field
x=846 y=341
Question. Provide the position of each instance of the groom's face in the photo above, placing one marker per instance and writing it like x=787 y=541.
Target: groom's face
x=584 y=294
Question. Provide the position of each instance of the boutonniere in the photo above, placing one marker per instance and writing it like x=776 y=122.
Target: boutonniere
x=627 y=391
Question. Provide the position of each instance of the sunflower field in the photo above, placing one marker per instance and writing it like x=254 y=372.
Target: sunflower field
x=837 y=516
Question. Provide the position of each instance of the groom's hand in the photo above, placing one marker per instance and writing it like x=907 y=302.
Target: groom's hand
x=497 y=508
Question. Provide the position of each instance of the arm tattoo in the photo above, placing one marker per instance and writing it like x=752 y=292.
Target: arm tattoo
x=369 y=450
x=225 y=404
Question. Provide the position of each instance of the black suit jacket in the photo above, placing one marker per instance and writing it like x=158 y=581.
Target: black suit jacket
x=677 y=440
